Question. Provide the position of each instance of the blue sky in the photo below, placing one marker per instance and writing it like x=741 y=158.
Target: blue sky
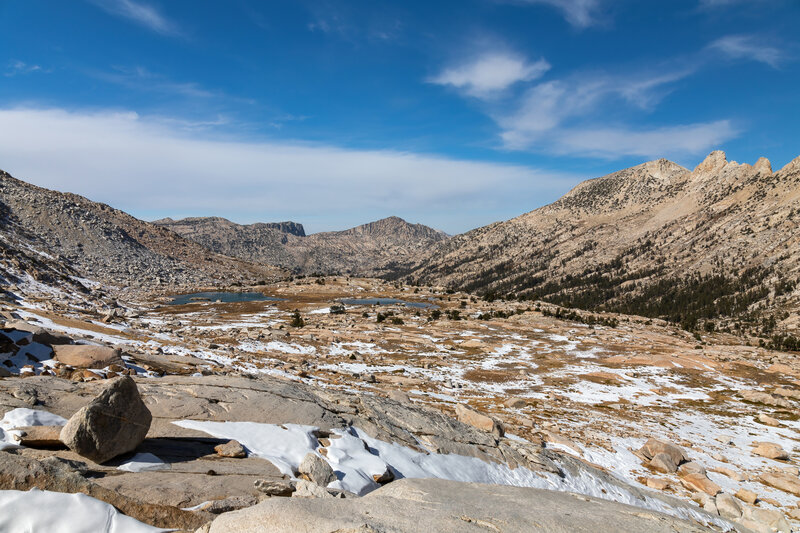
x=334 y=113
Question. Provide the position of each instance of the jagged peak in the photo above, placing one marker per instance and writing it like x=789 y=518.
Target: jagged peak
x=792 y=166
x=763 y=166
x=713 y=161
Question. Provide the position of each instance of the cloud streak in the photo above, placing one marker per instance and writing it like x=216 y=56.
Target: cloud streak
x=490 y=74
x=568 y=117
x=140 y=13
x=579 y=13
x=153 y=168
x=748 y=47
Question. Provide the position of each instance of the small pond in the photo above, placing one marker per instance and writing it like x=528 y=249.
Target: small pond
x=223 y=297
x=387 y=301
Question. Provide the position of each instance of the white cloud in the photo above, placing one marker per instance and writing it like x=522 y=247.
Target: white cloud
x=748 y=47
x=579 y=13
x=491 y=73
x=140 y=13
x=614 y=142
x=562 y=117
x=153 y=168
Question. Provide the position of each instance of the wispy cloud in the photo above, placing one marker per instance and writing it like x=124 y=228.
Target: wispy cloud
x=353 y=25
x=141 y=78
x=579 y=13
x=749 y=47
x=569 y=117
x=490 y=73
x=159 y=169
x=17 y=67
x=614 y=142
x=141 y=13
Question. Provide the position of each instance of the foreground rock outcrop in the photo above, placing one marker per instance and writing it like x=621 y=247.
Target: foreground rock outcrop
x=439 y=506
x=188 y=473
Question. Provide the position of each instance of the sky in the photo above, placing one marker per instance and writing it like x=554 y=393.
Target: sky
x=334 y=113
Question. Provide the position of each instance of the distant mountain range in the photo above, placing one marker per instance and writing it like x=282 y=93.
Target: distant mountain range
x=716 y=246
x=655 y=240
x=369 y=249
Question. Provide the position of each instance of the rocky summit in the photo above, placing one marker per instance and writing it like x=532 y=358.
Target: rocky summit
x=456 y=393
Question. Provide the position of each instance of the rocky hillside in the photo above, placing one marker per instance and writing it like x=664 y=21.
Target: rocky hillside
x=656 y=240
x=367 y=249
x=53 y=237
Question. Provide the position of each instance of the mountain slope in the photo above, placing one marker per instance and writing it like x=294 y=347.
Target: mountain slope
x=365 y=249
x=655 y=239
x=69 y=234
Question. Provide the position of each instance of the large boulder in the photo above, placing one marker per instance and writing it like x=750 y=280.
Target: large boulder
x=87 y=356
x=440 y=506
x=115 y=422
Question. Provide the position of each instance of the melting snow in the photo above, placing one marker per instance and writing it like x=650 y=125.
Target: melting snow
x=37 y=510
x=356 y=457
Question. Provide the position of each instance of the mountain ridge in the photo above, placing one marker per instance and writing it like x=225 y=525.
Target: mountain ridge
x=366 y=249
x=611 y=240
x=59 y=234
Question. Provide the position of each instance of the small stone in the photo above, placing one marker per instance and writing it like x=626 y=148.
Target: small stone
x=386 y=477
x=399 y=396
x=653 y=447
x=781 y=481
x=692 y=467
x=663 y=462
x=770 y=450
x=657 y=483
x=479 y=420
x=115 y=422
x=87 y=356
x=734 y=475
x=317 y=470
x=710 y=506
x=525 y=422
x=768 y=420
x=307 y=489
x=774 y=520
x=230 y=449
x=788 y=393
x=728 y=507
x=724 y=439
x=747 y=496
x=274 y=488
x=699 y=483
x=515 y=403
x=764 y=398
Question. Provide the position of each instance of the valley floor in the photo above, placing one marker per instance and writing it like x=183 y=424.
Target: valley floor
x=593 y=392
